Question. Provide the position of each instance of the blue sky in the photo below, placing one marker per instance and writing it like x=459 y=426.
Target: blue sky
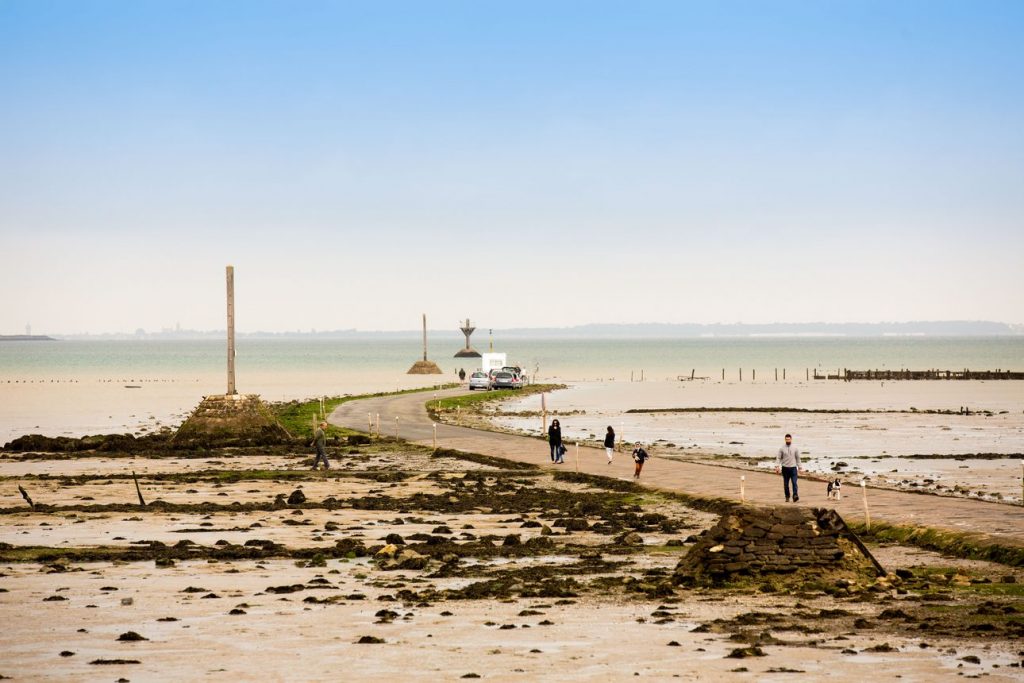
x=521 y=163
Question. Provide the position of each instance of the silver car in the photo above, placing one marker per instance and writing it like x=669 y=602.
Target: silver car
x=480 y=380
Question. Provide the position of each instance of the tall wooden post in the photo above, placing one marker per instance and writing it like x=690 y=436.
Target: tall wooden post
x=231 y=330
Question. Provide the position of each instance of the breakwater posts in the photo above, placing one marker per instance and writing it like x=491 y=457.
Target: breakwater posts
x=894 y=375
x=847 y=375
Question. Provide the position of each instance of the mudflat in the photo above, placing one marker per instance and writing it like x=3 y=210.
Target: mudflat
x=403 y=562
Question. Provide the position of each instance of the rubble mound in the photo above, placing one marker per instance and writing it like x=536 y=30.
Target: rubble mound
x=753 y=541
x=424 y=367
x=232 y=419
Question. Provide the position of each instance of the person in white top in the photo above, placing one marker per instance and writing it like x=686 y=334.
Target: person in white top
x=788 y=462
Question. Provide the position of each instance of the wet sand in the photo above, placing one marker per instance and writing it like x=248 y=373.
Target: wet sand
x=553 y=603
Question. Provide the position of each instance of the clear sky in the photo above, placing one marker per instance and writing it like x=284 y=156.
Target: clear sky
x=522 y=163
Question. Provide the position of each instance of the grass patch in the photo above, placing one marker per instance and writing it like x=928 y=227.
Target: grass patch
x=298 y=416
x=955 y=544
x=474 y=400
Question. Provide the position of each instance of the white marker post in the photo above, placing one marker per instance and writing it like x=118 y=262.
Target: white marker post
x=396 y=426
x=435 y=435
x=867 y=514
x=543 y=414
x=743 y=488
x=378 y=424
x=369 y=422
x=577 y=456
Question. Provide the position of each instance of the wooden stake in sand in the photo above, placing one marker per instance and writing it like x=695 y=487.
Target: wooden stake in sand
x=577 y=456
x=434 y=425
x=867 y=513
x=378 y=424
x=137 y=489
x=24 y=494
x=543 y=414
x=396 y=426
x=743 y=488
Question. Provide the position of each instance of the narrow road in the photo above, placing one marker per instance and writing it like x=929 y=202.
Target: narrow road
x=1000 y=522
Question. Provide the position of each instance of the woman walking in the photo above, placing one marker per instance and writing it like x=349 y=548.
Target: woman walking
x=609 y=444
x=640 y=456
x=555 y=441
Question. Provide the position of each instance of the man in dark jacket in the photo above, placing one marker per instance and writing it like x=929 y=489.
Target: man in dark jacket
x=320 y=441
x=555 y=441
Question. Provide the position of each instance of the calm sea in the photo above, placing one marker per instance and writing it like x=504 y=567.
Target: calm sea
x=80 y=387
x=562 y=358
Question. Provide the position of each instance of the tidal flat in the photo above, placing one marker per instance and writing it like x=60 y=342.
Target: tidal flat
x=404 y=563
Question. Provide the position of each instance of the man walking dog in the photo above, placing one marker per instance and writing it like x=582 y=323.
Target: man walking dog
x=788 y=462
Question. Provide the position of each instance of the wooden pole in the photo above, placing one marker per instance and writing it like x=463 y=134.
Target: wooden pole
x=396 y=426
x=783 y=374
x=867 y=513
x=743 y=488
x=378 y=424
x=753 y=375
x=434 y=424
x=741 y=374
x=137 y=489
x=28 y=498
x=231 y=330
x=723 y=374
x=369 y=422
x=543 y=414
x=577 y=456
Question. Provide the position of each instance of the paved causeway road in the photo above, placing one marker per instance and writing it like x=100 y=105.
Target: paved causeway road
x=1001 y=522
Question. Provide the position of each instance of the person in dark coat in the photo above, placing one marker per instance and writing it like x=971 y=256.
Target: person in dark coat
x=555 y=441
x=640 y=456
x=609 y=444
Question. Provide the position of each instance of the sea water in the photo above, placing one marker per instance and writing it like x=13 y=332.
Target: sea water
x=74 y=387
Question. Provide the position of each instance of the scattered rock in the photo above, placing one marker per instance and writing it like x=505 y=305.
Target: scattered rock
x=130 y=637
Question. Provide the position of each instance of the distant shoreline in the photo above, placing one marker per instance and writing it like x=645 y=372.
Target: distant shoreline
x=25 y=337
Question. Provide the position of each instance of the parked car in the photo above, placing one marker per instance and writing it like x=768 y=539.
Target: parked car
x=507 y=380
x=480 y=380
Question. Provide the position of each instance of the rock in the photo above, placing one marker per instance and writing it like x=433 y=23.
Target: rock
x=369 y=640
x=388 y=551
x=297 y=497
x=394 y=539
x=130 y=637
x=511 y=540
x=631 y=538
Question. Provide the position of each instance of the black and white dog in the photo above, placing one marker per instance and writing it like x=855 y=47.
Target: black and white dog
x=834 y=489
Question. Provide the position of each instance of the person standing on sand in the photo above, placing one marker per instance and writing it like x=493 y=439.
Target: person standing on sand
x=320 y=441
x=640 y=456
x=462 y=374
x=609 y=444
x=788 y=462
x=555 y=441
